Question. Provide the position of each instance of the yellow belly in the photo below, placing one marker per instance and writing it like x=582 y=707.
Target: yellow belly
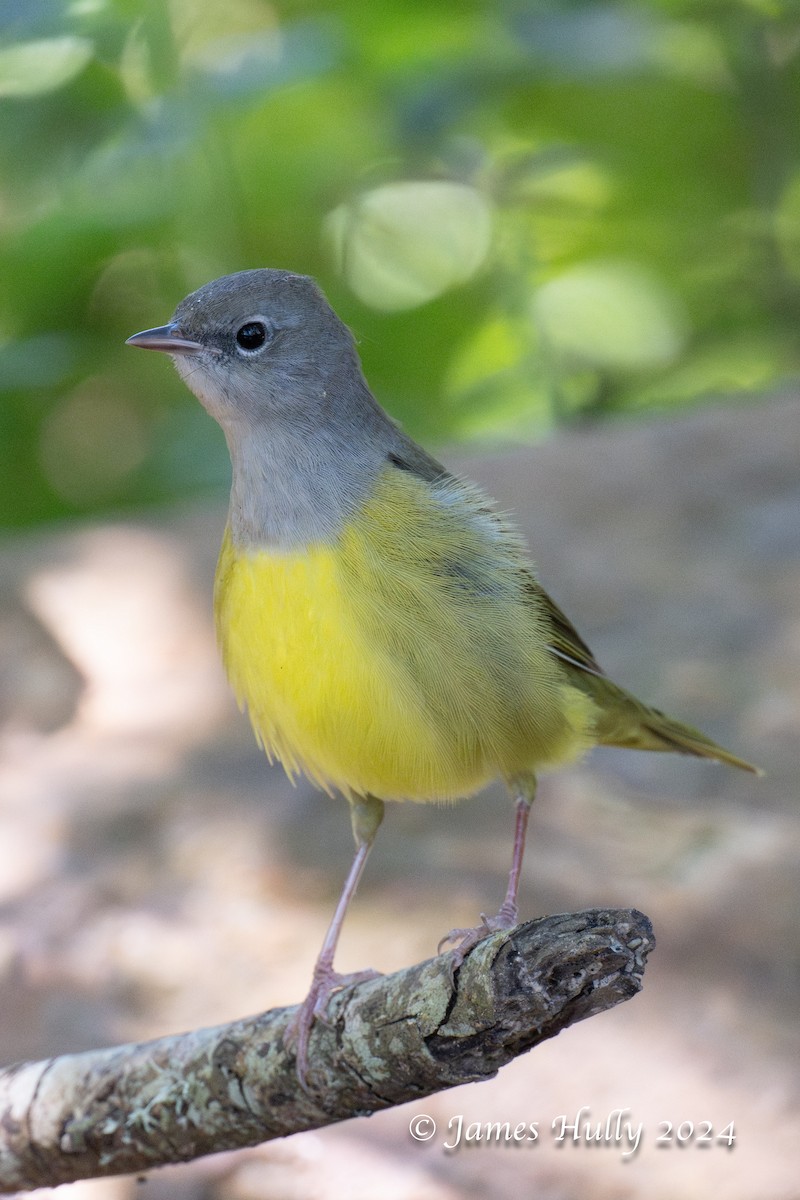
x=370 y=667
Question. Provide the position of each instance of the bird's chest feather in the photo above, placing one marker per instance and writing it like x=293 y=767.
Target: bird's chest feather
x=322 y=696
x=391 y=661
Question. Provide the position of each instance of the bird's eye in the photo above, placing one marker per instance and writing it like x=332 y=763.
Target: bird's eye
x=251 y=336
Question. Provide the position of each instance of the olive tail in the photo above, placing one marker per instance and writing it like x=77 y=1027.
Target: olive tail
x=668 y=734
x=625 y=721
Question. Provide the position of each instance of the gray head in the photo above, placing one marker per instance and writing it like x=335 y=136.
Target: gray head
x=260 y=345
x=269 y=359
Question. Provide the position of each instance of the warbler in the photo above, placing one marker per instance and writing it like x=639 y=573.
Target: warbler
x=377 y=617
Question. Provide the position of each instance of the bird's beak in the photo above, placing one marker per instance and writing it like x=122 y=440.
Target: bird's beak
x=166 y=338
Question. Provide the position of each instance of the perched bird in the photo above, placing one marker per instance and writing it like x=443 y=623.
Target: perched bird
x=379 y=620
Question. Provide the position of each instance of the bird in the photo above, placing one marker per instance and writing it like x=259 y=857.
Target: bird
x=378 y=617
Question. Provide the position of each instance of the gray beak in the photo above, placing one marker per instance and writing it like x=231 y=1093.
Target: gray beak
x=166 y=338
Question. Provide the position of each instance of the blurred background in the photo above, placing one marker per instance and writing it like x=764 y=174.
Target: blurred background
x=567 y=237
x=569 y=210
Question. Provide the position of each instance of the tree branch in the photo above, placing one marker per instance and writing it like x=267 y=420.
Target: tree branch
x=390 y=1040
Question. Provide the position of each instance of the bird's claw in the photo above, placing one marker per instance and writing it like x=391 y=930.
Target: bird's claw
x=325 y=982
x=466 y=939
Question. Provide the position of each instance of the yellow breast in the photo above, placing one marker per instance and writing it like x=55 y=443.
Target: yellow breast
x=382 y=664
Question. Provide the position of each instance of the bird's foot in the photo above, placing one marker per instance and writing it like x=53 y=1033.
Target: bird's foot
x=466 y=939
x=324 y=983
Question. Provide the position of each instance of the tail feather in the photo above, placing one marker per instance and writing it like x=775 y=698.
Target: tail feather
x=625 y=721
x=668 y=734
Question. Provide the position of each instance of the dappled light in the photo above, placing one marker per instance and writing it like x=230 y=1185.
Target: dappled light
x=405 y=243
x=122 y=613
x=611 y=315
x=570 y=210
x=91 y=441
x=37 y=67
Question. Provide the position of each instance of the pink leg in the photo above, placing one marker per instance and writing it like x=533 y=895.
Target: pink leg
x=508 y=913
x=508 y=909
x=366 y=814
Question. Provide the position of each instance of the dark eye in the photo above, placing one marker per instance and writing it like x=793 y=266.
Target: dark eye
x=252 y=335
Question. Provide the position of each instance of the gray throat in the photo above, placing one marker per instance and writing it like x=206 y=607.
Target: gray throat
x=295 y=487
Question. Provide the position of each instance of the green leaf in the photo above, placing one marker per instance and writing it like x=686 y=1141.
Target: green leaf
x=610 y=314
x=35 y=68
x=401 y=245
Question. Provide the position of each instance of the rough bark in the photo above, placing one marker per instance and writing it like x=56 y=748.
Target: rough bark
x=389 y=1040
